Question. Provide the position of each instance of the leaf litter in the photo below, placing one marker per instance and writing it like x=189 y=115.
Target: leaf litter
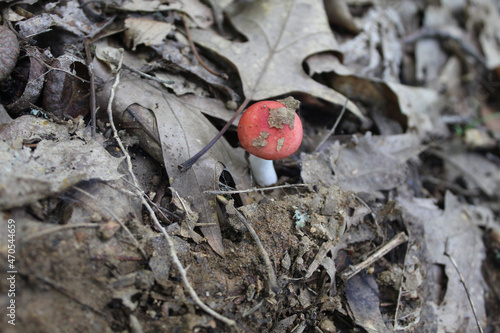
x=387 y=223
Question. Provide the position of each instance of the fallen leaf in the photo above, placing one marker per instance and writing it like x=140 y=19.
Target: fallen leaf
x=270 y=61
x=453 y=230
x=368 y=164
x=362 y=295
x=195 y=9
x=141 y=30
x=32 y=174
x=34 y=83
x=9 y=51
x=476 y=169
x=176 y=117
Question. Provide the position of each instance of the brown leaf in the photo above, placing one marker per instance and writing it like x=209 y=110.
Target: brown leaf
x=56 y=163
x=9 y=51
x=65 y=93
x=454 y=231
x=270 y=62
x=141 y=30
x=182 y=130
x=34 y=85
x=195 y=9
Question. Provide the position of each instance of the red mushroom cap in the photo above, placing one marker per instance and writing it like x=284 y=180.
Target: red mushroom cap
x=270 y=130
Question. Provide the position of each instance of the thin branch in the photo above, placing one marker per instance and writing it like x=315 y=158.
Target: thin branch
x=334 y=126
x=66 y=293
x=273 y=284
x=259 y=189
x=118 y=220
x=147 y=76
x=59 y=228
x=189 y=163
x=193 y=47
x=142 y=195
x=355 y=269
x=90 y=66
x=480 y=328
x=466 y=48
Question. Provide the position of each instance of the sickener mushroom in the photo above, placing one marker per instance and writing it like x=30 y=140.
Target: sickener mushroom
x=269 y=130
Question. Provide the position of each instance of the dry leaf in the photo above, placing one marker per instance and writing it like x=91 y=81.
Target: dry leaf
x=195 y=9
x=69 y=17
x=270 y=62
x=31 y=174
x=476 y=169
x=65 y=93
x=456 y=229
x=183 y=131
x=369 y=164
x=145 y=31
x=362 y=295
x=34 y=82
x=9 y=51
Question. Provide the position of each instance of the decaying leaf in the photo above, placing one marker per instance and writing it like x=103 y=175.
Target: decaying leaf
x=145 y=31
x=270 y=62
x=175 y=119
x=476 y=169
x=69 y=17
x=364 y=304
x=29 y=175
x=34 y=82
x=9 y=51
x=448 y=232
x=195 y=9
x=65 y=92
x=369 y=164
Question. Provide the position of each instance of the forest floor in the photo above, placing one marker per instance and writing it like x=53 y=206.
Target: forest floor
x=386 y=219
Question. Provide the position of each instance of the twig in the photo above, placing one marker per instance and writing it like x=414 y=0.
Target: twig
x=258 y=189
x=400 y=292
x=355 y=269
x=90 y=66
x=480 y=328
x=333 y=128
x=273 y=284
x=142 y=195
x=193 y=47
x=252 y=310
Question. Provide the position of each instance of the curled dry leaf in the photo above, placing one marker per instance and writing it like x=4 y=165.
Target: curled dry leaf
x=145 y=31
x=9 y=51
x=69 y=17
x=34 y=83
x=66 y=89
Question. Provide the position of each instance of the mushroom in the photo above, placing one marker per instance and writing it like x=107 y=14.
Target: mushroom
x=269 y=130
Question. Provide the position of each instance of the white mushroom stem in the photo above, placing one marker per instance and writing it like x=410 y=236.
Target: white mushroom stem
x=263 y=171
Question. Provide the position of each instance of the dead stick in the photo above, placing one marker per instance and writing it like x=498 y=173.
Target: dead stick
x=90 y=66
x=189 y=163
x=273 y=284
x=480 y=328
x=355 y=269
x=193 y=47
